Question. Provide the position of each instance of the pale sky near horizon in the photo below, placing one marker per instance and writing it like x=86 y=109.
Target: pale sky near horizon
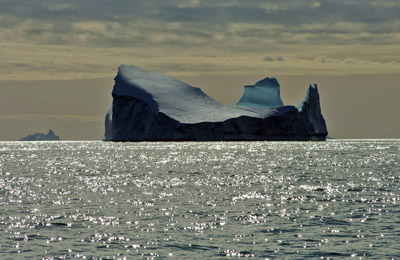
x=58 y=58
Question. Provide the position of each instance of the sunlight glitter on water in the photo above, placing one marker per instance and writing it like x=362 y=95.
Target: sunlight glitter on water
x=296 y=200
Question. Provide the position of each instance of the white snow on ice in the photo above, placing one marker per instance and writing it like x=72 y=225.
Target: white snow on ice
x=185 y=103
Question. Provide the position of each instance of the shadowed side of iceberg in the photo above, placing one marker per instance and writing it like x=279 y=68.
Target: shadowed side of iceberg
x=140 y=124
x=310 y=108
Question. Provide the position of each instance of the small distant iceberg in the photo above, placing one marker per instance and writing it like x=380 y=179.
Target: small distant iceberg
x=41 y=137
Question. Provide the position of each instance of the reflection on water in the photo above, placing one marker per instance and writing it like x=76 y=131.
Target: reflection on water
x=211 y=200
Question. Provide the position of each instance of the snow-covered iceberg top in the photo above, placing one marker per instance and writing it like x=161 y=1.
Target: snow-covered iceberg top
x=149 y=106
x=177 y=99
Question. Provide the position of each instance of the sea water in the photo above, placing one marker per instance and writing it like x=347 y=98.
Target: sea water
x=200 y=200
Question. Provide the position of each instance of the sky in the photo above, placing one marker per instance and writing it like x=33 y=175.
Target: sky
x=58 y=58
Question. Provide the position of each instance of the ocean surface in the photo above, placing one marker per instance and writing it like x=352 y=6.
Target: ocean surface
x=200 y=200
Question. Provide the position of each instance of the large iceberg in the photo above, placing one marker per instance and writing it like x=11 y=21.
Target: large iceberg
x=151 y=107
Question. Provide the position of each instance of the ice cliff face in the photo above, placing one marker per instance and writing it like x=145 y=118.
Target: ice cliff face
x=311 y=109
x=150 y=107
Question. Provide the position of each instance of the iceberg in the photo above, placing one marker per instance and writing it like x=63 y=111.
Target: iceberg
x=151 y=107
x=264 y=94
x=41 y=137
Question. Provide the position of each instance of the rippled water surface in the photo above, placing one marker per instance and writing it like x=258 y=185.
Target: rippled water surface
x=217 y=200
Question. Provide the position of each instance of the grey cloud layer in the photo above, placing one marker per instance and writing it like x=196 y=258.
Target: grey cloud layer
x=45 y=39
x=135 y=23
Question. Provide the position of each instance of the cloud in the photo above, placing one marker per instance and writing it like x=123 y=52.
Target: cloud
x=139 y=22
x=386 y=3
x=29 y=117
x=270 y=58
x=275 y=6
x=174 y=31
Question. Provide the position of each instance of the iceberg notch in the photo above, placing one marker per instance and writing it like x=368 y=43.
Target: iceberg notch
x=150 y=107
